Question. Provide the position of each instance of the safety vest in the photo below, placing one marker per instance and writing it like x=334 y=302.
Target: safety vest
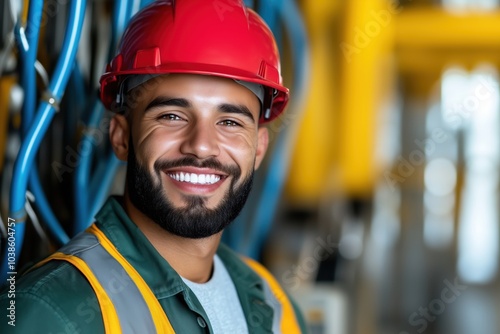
x=99 y=261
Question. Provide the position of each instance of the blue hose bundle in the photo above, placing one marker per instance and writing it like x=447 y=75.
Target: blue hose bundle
x=90 y=190
x=39 y=126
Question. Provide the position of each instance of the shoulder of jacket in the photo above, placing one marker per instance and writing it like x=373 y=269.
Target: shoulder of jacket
x=53 y=277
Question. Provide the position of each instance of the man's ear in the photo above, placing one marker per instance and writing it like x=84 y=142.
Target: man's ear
x=119 y=132
x=263 y=142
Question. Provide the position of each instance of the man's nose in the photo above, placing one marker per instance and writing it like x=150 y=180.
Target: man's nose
x=201 y=141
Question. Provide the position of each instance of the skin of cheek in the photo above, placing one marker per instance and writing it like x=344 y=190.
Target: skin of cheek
x=241 y=149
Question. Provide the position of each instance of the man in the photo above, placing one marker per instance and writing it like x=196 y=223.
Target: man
x=192 y=84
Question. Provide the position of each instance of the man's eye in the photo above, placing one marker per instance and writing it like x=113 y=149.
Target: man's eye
x=169 y=117
x=229 y=123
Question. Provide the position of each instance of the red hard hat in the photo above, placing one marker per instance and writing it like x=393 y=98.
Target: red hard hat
x=211 y=37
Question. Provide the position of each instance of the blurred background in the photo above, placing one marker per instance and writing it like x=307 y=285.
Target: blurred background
x=377 y=206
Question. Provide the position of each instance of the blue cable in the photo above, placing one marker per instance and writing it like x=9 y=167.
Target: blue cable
x=101 y=183
x=144 y=3
x=28 y=53
x=82 y=194
x=120 y=19
x=106 y=169
x=249 y=3
x=268 y=10
x=43 y=206
x=76 y=104
x=39 y=127
x=87 y=200
x=134 y=7
x=275 y=179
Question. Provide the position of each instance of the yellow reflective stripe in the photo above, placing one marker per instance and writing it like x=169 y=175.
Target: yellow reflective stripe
x=160 y=319
x=109 y=316
x=289 y=324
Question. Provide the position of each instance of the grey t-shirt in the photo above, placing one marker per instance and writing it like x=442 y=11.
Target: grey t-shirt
x=220 y=301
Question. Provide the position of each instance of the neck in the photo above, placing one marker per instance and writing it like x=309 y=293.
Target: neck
x=190 y=258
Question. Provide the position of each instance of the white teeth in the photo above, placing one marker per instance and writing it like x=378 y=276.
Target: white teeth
x=195 y=178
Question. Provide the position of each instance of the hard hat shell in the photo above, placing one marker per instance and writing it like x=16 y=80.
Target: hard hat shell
x=210 y=37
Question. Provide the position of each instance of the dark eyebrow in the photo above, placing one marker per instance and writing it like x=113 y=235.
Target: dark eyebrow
x=236 y=109
x=163 y=101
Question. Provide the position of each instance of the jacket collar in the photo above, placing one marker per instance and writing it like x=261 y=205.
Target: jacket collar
x=156 y=271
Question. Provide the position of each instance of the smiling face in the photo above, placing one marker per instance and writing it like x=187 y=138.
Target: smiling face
x=192 y=144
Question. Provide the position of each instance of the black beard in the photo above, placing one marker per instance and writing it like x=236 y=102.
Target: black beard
x=195 y=220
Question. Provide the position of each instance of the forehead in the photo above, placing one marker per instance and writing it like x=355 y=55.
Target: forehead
x=194 y=88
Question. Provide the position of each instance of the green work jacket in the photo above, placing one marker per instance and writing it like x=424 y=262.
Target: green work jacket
x=56 y=298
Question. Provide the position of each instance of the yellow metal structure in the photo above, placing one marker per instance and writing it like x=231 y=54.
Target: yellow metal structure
x=356 y=47
x=313 y=154
x=446 y=38
x=334 y=151
x=427 y=28
x=366 y=49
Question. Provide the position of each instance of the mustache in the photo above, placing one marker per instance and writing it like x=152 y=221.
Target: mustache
x=190 y=161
